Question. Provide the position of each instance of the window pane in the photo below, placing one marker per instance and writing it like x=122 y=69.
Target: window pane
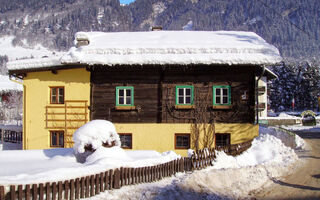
x=54 y=139
x=180 y=101
x=53 y=91
x=222 y=140
x=121 y=92
x=61 y=91
x=61 y=99
x=225 y=100
x=126 y=141
x=61 y=141
x=218 y=100
x=128 y=100
x=188 y=100
x=225 y=91
x=53 y=99
x=180 y=91
x=121 y=100
x=218 y=92
x=188 y=91
x=183 y=141
x=128 y=92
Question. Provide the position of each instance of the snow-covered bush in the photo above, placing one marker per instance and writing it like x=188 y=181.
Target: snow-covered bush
x=95 y=134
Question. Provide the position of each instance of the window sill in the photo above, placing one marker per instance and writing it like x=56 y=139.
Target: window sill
x=126 y=147
x=182 y=148
x=222 y=107
x=184 y=107
x=125 y=108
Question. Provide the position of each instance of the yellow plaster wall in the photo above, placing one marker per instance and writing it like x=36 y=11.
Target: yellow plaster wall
x=160 y=137
x=37 y=97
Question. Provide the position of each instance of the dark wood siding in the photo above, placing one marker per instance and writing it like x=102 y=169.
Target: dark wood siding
x=154 y=92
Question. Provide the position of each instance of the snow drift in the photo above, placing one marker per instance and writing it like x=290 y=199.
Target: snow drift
x=95 y=133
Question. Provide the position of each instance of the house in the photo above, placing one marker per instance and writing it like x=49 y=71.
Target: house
x=158 y=88
x=10 y=100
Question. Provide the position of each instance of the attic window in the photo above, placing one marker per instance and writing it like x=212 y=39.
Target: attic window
x=57 y=95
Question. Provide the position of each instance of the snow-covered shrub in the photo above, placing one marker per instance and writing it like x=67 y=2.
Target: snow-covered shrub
x=95 y=134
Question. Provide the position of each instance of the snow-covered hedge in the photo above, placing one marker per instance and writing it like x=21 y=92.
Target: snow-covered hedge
x=95 y=133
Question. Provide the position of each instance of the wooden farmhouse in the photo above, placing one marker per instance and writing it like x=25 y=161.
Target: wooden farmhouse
x=163 y=90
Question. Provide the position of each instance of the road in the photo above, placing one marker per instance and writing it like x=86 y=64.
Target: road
x=304 y=183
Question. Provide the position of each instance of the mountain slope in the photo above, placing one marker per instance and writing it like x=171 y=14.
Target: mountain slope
x=292 y=26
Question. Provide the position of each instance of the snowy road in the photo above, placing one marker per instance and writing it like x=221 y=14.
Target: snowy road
x=305 y=182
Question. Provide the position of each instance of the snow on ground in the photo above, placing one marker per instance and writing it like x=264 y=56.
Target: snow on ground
x=10 y=146
x=34 y=166
x=229 y=178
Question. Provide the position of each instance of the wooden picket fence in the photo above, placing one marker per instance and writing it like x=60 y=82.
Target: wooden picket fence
x=92 y=185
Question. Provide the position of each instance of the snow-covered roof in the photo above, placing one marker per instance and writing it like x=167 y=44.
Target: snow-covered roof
x=7 y=85
x=34 y=63
x=166 y=47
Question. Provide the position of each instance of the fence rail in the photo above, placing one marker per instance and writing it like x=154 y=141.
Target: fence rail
x=10 y=136
x=92 y=185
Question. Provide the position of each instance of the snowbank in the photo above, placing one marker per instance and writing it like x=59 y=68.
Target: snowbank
x=229 y=178
x=95 y=133
x=40 y=166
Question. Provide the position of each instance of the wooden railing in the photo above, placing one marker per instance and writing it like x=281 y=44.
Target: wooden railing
x=10 y=136
x=92 y=185
x=68 y=117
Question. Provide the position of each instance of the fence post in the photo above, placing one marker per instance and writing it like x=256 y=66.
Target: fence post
x=66 y=190
x=87 y=186
x=54 y=191
x=97 y=178
x=20 y=192
x=116 y=178
x=41 y=191
x=2 y=193
x=60 y=190
x=12 y=192
x=35 y=191
x=77 y=192
x=111 y=181
x=91 y=185
x=72 y=189
x=106 y=181
x=28 y=192
x=101 y=182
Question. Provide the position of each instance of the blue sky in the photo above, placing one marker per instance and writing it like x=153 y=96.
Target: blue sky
x=126 y=1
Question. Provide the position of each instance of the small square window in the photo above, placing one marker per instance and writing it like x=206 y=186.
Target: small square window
x=126 y=140
x=222 y=95
x=182 y=141
x=57 y=95
x=124 y=96
x=184 y=95
x=57 y=139
x=222 y=140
